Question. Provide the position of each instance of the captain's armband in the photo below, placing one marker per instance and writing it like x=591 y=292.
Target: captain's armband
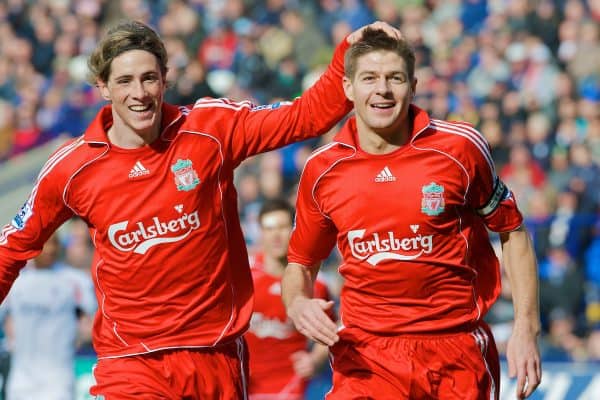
x=499 y=193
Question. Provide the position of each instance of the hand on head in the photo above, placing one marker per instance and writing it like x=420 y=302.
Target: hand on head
x=387 y=28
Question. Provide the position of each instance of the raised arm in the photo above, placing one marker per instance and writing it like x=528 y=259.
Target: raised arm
x=252 y=129
x=523 y=353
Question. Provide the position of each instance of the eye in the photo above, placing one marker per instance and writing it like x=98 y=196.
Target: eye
x=151 y=78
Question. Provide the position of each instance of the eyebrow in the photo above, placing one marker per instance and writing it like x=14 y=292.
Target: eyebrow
x=388 y=73
x=143 y=74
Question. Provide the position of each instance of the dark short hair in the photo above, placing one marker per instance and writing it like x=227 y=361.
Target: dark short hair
x=276 y=204
x=374 y=40
x=127 y=35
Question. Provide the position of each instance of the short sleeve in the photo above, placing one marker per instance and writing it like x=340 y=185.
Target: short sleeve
x=314 y=234
x=490 y=198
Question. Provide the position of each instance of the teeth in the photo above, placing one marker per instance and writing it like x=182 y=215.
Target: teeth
x=139 y=108
x=383 y=105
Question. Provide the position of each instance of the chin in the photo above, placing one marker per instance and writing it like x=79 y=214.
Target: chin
x=145 y=126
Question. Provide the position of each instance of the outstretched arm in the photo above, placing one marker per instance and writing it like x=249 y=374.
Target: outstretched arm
x=308 y=314
x=523 y=353
x=255 y=130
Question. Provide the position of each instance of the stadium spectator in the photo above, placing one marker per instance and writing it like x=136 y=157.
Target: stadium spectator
x=561 y=283
x=281 y=362
x=523 y=173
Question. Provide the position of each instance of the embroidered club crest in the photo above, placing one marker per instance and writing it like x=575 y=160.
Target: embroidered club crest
x=433 y=199
x=186 y=177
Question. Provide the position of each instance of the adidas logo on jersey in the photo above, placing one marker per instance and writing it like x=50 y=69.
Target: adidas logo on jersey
x=385 y=176
x=138 y=170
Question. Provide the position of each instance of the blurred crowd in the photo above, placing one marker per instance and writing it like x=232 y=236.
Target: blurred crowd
x=526 y=73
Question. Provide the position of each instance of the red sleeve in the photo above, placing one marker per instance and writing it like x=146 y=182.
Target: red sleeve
x=314 y=234
x=248 y=130
x=23 y=238
x=492 y=200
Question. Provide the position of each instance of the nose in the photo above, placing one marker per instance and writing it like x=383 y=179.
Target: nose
x=382 y=86
x=138 y=89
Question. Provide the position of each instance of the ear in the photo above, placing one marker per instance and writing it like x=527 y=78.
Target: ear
x=413 y=87
x=104 y=91
x=347 y=83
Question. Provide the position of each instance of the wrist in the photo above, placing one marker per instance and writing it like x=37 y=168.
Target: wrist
x=531 y=325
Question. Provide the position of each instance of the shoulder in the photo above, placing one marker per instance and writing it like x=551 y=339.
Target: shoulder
x=462 y=140
x=325 y=157
x=220 y=106
x=70 y=157
x=212 y=116
x=460 y=133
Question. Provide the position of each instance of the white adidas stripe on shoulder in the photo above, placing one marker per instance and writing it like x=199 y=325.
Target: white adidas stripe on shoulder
x=475 y=135
x=48 y=166
x=59 y=154
x=6 y=232
x=471 y=134
x=53 y=162
x=321 y=150
x=222 y=103
x=478 y=136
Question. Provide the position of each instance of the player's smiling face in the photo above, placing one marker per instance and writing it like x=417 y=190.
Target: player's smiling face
x=135 y=88
x=381 y=91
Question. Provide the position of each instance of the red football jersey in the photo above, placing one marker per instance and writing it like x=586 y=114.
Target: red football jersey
x=410 y=225
x=272 y=339
x=172 y=268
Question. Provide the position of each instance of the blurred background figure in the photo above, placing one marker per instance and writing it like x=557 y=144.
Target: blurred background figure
x=47 y=315
x=281 y=359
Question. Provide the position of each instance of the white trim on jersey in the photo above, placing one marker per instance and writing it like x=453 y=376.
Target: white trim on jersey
x=222 y=216
x=68 y=183
x=54 y=160
x=314 y=188
x=313 y=155
x=459 y=216
x=223 y=103
x=241 y=351
x=469 y=134
x=482 y=341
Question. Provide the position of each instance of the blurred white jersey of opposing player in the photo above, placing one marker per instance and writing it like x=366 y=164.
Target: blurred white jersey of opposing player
x=42 y=312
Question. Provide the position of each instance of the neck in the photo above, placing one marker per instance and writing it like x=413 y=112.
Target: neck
x=127 y=139
x=383 y=141
x=274 y=266
x=123 y=135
